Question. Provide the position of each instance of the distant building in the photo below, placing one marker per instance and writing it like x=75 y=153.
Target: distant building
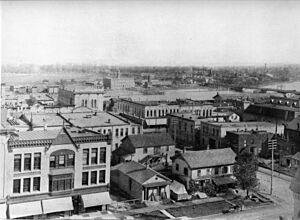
x=61 y=171
x=206 y=166
x=53 y=89
x=153 y=149
x=213 y=133
x=118 y=83
x=153 y=113
x=42 y=99
x=88 y=98
x=141 y=182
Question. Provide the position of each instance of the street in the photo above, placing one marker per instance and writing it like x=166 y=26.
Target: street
x=282 y=197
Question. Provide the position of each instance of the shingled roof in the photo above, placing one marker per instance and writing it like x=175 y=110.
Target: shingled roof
x=150 y=140
x=138 y=172
x=209 y=158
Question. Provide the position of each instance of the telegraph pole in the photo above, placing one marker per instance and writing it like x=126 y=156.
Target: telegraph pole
x=272 y=144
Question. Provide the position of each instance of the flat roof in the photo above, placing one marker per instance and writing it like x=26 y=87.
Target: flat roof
x=42 y=119
x=242 y=124
x=87 y=119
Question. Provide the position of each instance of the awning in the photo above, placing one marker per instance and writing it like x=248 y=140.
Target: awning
x=224 y=180
x=96 y=199
x=25 y=209
x=57 y=205
x=3 y=211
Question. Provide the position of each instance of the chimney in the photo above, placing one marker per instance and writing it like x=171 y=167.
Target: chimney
x=108 y=121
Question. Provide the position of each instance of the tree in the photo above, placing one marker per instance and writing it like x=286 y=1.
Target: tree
x=245 y=171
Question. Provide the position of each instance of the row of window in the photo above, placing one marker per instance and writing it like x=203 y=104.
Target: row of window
x=214 y=132
x=27 y=162
x=156 y=150
x=90 y=156
x=93 y=177
x=62 y=161
x=217 y=170
x=163 y=112
x=61 y=182
x=27 y=184
x=84 y=102
x=122 y=133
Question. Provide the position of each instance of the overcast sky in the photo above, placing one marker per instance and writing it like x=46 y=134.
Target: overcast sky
x=151 y=32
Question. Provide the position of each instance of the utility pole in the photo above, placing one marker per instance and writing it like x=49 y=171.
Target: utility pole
x=272 y=144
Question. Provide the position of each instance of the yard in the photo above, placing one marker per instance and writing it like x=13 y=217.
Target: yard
x=199 y=209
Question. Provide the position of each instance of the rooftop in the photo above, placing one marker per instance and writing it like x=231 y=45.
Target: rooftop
x=84 y=119
x=150 y=140
x=138 y=172
x=243 y=124
x=208 y=158
x=44 y=119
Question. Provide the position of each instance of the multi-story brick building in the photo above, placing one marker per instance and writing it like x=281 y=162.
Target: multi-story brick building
x=88 y=98
x=253 y=141
x=153 y=113
x=292 y=133
x=53 y=171
x=213 y=133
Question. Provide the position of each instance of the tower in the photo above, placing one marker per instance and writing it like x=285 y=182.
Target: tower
x=295 y=187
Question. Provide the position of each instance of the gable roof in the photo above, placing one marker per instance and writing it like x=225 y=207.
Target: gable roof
x=208 y=158
x=138 y=172
x=150 y=140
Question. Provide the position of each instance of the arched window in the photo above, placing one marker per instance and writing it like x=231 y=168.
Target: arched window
x=62 y=159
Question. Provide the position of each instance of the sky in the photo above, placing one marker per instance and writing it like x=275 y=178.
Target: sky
x=150 y=32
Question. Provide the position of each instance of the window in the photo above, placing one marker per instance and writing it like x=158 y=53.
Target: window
x=94 y=156
x=177 y=167
x=52 y=161
x=207 y=171
x=102 y=155
x=85 y=178
x=37 y=161
x=26 y=185
x=157 y=150
x=85 y=159
x=70 y=160
x=60 y=182
x=17 y=162
x=102 y=176
x=224 y=170
x=139 y=130
x=133 y=130
x=216 y=170
x=17 y=186
x=117 y=132
x=36 y=183
x=199 y=172
x=126 y=131
x=82 y=102
x=122 y=132
x=27 y=162
x=130 y=184
x=185 y=171
x=116 y=145
x=94 y=177
x=61 y=161
x=145 y=150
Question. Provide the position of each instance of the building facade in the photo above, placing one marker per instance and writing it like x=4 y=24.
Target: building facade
x=141 y=182
x=90 y=99
x=118 y=83
x=205 y=167
x=54 y=172
x=213 y=133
